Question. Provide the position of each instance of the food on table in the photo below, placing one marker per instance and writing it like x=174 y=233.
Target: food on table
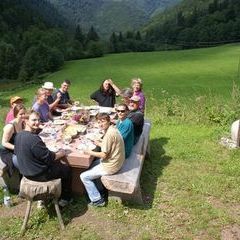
x=81 y=117
x=81 y=128
x=67 y=139
x=67 y=115
x=70 y=130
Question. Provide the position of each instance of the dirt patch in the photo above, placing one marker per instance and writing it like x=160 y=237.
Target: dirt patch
x=232 y=209
x=17 y=210
x=108 y=228
x=231 y=232
x=102 y=225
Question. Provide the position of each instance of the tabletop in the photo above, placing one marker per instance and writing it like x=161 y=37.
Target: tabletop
x=74 y=137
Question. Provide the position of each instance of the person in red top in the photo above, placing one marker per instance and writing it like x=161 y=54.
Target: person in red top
x=13 y=102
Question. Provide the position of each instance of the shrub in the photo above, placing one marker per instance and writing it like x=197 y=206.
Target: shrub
x=202 y=109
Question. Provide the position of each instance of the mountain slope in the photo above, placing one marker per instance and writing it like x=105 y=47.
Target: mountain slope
x=196 y=24
x=110 y=15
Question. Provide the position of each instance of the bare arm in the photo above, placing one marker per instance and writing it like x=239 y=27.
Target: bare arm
x=117 y=90
x=50 y=116
x=102 y=155
x=7 y=134
x=55 y=103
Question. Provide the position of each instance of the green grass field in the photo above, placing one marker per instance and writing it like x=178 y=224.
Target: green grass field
x=190 y=183
x=183 y=73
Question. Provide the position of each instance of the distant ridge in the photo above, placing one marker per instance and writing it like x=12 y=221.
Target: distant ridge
x=109 y=16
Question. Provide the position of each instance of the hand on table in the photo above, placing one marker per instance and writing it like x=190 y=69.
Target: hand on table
x=60 y=154
x=97 y=142
x=87 y=152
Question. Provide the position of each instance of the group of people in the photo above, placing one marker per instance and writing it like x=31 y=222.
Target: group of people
x=23 y=149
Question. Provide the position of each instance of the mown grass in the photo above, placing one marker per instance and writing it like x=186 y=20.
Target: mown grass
x=190 y=182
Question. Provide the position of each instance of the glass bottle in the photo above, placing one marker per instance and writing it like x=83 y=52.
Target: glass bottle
x=6 y=197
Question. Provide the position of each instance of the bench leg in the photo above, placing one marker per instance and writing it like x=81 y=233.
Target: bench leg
x=137 y=195
x=147 y=154
x=27 y=213
x=55 y=201
x=148 y=148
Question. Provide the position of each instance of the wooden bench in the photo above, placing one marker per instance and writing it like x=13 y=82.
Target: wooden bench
x=12 y=182
x=125 y=184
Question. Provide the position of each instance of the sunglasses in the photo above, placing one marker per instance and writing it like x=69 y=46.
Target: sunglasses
x=121 y=111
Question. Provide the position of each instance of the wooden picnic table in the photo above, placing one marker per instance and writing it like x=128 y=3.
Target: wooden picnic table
x=79 y=162
x=75 y=157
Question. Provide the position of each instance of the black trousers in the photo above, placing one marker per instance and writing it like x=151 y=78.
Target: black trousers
x=57 y=170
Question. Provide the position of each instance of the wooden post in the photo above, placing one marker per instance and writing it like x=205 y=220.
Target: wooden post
x=55 y=201
x=27 y=213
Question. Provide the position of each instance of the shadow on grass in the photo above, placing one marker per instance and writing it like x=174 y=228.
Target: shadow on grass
x=76 y=209
x=152 y=170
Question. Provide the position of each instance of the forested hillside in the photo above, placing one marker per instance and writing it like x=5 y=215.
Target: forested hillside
x=196 y=23
x=109 y=16
x=31 y=42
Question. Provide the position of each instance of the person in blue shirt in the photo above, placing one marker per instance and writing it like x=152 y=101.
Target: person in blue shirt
x=125 y=127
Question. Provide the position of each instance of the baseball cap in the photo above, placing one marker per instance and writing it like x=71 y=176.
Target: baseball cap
x=135 y=98
x=48 y=85
x=14 y=99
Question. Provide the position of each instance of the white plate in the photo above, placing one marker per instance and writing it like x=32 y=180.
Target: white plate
x=93 y=107
x=93 y=112
x=105 y=110
x=93 y=136
x=59 y=122
x=86 y=145
x=53 y=148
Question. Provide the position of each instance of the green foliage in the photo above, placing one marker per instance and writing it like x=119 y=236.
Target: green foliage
x=79 y=35
x=29 y=45
x=9 y=63
x=94 y=49
x=40 y=59
x=131 y=42
x=197 y=24
x=74 y=50
x=92 y=35
x=203 y=109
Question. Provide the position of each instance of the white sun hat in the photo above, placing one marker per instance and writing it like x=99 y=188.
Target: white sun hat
x=48 y=85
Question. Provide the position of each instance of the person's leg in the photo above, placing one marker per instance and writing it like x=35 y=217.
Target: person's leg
x=14 y=160
x=88 y=178
x=63 y=171
x=98 y=183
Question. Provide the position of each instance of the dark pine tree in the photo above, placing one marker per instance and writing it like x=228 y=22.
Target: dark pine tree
x=79 y=35
x=138 y=36
x=113 y=42
x=92 y=35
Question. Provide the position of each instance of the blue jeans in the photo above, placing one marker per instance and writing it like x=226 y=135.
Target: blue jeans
x=14 y=160
x=88 y=178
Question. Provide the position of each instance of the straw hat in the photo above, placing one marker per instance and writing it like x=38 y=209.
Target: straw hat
x=14 y=99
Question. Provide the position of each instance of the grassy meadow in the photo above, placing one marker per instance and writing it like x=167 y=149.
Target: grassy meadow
x=190 y=182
